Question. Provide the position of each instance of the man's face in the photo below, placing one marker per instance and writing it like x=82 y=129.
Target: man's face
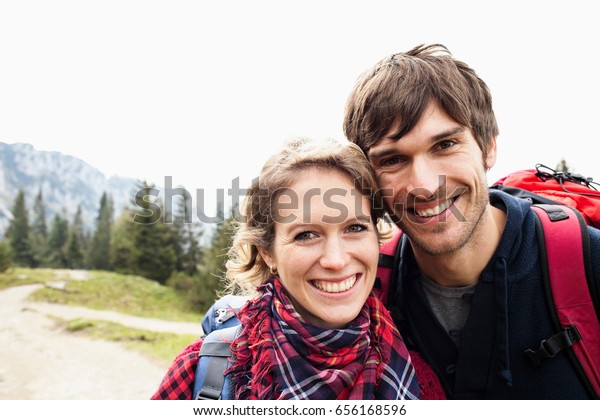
x=434 y=180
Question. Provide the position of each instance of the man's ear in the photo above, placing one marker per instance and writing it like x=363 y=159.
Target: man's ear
x=490 y=159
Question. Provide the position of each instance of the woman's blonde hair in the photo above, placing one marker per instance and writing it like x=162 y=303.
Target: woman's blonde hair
x=256 y=228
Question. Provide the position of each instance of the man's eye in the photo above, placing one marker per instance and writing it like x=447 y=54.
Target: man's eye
x=446 y=144
x=390 y=161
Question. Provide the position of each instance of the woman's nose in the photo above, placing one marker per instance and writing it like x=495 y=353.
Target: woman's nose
x=334 y=255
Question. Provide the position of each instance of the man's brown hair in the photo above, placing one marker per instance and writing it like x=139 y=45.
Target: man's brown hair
x=399 y=88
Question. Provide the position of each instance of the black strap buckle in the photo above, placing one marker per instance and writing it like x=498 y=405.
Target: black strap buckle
x=554 y=345
x=209 y=394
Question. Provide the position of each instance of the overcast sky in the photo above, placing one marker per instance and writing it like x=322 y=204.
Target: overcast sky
x=205 y=91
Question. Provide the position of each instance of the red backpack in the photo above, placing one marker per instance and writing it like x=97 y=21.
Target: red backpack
x=544 y=185
x=563 y=203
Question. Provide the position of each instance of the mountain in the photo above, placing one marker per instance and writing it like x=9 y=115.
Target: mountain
x=66 y=182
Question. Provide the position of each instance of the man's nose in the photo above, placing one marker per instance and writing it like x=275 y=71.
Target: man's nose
x=423 y=180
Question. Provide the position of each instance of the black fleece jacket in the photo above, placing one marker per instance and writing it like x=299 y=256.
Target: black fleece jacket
x=508 y=315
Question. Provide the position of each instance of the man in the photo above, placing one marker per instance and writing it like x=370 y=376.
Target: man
x=470 y=282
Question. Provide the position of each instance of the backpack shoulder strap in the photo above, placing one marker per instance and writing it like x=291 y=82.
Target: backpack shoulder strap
x=210 y=381
x=565 y=252
x=388 y=262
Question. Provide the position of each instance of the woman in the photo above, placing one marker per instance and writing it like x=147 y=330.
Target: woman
x=307 y=249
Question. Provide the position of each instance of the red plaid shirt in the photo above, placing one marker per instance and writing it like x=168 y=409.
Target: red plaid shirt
x=179 y=380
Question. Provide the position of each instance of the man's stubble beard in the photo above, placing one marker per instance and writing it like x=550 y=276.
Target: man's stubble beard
x=471 y=228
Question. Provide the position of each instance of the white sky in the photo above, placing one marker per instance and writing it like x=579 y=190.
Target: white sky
x=206 y=91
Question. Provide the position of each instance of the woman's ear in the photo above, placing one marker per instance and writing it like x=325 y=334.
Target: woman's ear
x=266 y=257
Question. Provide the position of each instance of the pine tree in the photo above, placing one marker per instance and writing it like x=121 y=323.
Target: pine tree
x=75 y=247
x=193 y=253
x=6 y=256
x=39 y=231
x=186 y=238
x=208 y=281
x=18 y=233
x=99 y=256
x=152 y=255
x=57 y=241
x=216 y=255
x=176 y=229
x=121 y=243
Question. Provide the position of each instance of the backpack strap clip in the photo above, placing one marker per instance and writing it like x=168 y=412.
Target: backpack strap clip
x=555 y=344
x=223 y=315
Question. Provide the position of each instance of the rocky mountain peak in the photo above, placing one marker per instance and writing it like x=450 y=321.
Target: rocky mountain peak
x=65 y=181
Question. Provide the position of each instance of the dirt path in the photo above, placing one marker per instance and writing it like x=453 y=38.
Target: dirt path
x=41 y=361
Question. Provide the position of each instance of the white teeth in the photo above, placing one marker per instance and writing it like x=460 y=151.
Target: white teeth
x=335 y=287
x=435 y=210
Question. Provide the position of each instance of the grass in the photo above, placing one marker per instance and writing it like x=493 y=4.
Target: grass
x=158 y=345
x=104 y=290
x=131 y=295
x=23 y=276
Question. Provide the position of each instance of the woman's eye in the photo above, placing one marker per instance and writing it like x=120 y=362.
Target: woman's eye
x=304 y=236
x=357 y=228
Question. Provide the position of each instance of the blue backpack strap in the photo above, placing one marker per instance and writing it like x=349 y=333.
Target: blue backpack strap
x=210 y=381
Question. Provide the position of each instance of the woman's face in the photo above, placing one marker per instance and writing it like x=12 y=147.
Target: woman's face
x=325 y=248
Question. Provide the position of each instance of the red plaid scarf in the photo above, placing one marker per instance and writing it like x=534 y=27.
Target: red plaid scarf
x=278 y=356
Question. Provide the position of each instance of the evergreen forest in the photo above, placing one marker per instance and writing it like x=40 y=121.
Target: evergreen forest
x=166 y=249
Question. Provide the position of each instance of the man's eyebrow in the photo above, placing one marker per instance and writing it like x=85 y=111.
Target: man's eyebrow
x=384 y=151
x=448 y=133
x=379 y=153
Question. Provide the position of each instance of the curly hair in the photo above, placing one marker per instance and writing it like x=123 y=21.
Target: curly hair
x=256 y=228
